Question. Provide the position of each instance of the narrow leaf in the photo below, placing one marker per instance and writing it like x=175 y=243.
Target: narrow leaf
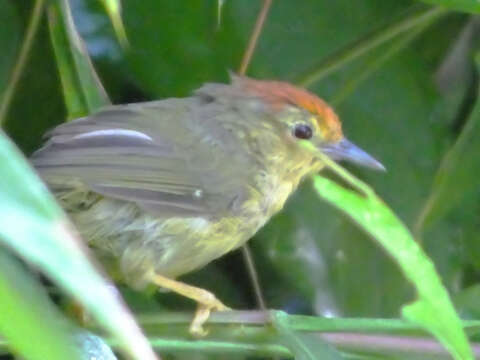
x=34 y=329
x=32 y=225
x=114 y=11
x=82 y=89
x=471 y=6
x=84 y=94
x=457 y=175
x=303 y=346
x=416 y=16
x=433 y=308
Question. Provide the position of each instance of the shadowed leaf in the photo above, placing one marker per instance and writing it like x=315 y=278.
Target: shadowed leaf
x=82 y=89
x=472 y=6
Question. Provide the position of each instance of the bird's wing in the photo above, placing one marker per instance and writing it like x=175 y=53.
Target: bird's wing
x=155 y=154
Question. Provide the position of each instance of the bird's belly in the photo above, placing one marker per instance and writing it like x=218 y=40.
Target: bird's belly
x=135 y=243
x=139 y=243
x=191 y=243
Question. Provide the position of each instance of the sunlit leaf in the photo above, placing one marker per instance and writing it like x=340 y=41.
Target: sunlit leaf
x=114 y=11
x=84 y=94
x=33 y=329
x=433 y=308
x=32 y=225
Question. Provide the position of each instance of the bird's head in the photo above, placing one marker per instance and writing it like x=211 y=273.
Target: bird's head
x=306 y=117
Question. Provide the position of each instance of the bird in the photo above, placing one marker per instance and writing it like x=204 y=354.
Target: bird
x=161 y=188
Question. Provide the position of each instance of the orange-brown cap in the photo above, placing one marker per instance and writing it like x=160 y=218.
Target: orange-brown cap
x=278 y=94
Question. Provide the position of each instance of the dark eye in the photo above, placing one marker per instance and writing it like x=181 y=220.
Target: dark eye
x=302 y=131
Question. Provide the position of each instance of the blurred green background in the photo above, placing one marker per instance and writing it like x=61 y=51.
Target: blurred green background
x=406 y=103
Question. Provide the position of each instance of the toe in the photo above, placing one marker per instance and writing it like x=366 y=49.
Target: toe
x=219 y=306
x=201 y=316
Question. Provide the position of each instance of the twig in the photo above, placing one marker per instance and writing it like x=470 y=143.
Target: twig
x=247 y=56
x=22 y=59
x=390 y=344
x=376 y=336
x=252 y=272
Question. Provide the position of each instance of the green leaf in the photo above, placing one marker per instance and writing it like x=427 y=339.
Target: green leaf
x=20 y=61
x=84 y=94
x=37 y=102
x=303 y=346
x=457 y=175
x=33 y=226
x=114 y=11
x=433 y=308
x=310 y=258
x=472 y=6
x=467 y=302
x=220 y=4
x=360 y=46
x=9 y=40
x=34 y=329
x=82 y=89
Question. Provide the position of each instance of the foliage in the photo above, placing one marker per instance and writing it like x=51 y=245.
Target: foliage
x=402 y=78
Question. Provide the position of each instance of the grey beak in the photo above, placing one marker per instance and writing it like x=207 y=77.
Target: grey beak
x=345 y=150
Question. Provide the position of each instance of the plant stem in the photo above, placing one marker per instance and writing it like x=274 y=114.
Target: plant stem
x=259 y=319
x=339 y=58
x=254 y=37
x=166 y=346
x=387 y=344
x=348 y=342
x=256 y=338
x=254 y=279
x=22 y=59
x=247 y=56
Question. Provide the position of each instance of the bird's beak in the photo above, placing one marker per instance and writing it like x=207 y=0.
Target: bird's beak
x=345 y=150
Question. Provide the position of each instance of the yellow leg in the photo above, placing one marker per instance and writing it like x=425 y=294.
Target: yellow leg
x=207 y=302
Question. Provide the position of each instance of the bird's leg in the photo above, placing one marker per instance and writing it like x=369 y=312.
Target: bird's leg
x=207 y=302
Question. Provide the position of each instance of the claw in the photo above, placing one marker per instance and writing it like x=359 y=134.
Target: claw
x=204 y=309
x=207 y=302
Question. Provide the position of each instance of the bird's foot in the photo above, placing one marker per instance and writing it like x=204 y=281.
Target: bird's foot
x=206 y=305
x=207 y=302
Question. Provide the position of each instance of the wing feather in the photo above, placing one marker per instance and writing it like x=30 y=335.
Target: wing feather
x=152 y=153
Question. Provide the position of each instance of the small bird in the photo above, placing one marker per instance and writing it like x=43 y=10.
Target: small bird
x=161 y=188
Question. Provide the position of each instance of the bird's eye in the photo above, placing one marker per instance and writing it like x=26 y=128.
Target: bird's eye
x=302 y=131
